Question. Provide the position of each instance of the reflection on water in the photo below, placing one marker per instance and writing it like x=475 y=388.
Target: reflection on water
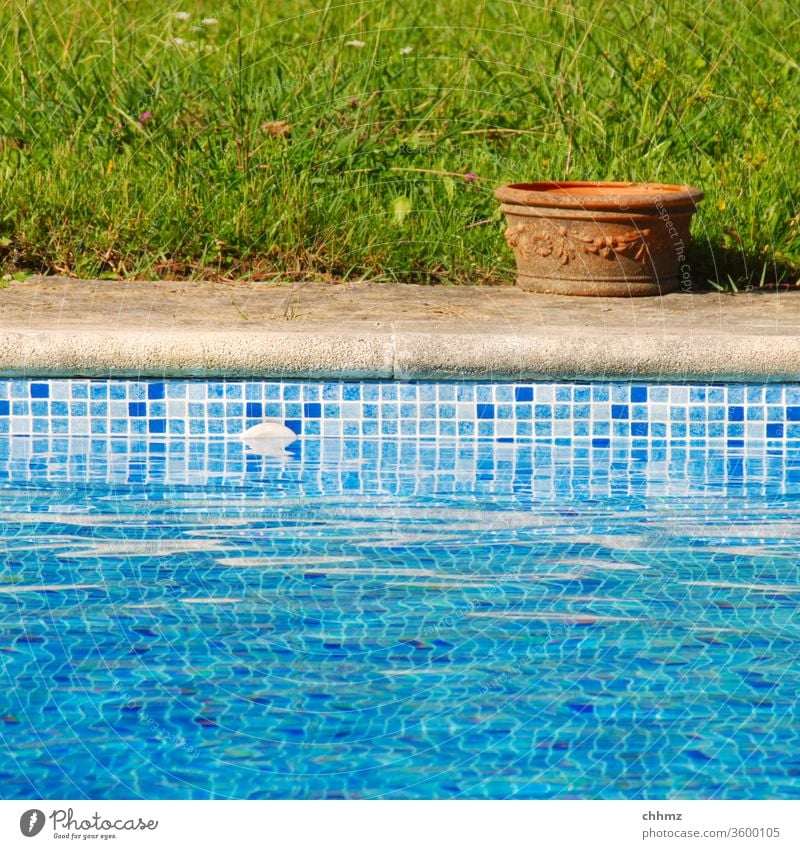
x=397 y=618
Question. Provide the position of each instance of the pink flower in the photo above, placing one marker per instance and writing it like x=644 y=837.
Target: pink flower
x=470 y=178
x=145 y=117
x=353 y=101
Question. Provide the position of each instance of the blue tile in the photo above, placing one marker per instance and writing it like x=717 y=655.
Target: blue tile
x=40 y=390
x=254 y=410
x=582 y=411
x=735 y=414
x=639 y=428
x=137 y=408
x=176 y=389
x=600 y=443
x=485 y=411
x=775 y=414
x=157 y=426
x=523 y=393
x=155 y=391
x=295 y=424
x=562 y=411
x=619 y=411
x=774 y=431
x=638 y=394
x=312 y=411
x=4 y=408
x=793 y=414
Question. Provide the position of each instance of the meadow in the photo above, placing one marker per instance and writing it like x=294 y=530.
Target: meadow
x=235 y=139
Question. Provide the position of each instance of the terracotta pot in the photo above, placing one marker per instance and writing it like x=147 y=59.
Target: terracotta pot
x=606 y=239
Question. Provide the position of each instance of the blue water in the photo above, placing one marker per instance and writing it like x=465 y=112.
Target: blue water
x=387 y=618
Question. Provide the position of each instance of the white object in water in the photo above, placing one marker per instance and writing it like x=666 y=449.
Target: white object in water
x=269 y=437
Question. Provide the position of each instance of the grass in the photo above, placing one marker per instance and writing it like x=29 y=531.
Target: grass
x=263 y=146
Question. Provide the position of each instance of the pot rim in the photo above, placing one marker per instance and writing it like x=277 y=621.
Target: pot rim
x=621 y=197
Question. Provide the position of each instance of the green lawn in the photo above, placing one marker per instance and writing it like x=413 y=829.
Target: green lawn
x=134 y=142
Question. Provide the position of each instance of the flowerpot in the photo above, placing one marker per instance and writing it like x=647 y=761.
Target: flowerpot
x=604 y=239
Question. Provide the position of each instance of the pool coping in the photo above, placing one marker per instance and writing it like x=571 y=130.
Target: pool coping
x=59 y=327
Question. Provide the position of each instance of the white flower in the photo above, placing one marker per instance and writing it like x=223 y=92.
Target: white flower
x=178 y=42
x=209 y=22
x=196 y=29
x=182 y=16
x=404 y=51
x=355 y=43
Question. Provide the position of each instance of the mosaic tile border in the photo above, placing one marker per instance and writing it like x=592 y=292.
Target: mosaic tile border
x=597 y=412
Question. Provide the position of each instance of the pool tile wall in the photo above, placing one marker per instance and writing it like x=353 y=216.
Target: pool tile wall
x=599 y=413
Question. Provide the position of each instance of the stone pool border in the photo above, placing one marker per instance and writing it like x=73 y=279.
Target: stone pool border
x=59 y=327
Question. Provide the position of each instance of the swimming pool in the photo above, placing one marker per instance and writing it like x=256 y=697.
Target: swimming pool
x=439 y=590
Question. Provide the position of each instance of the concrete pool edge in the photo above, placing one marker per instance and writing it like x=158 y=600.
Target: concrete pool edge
x=54 y=327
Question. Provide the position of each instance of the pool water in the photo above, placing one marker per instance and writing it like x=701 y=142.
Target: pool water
x=380 y=616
